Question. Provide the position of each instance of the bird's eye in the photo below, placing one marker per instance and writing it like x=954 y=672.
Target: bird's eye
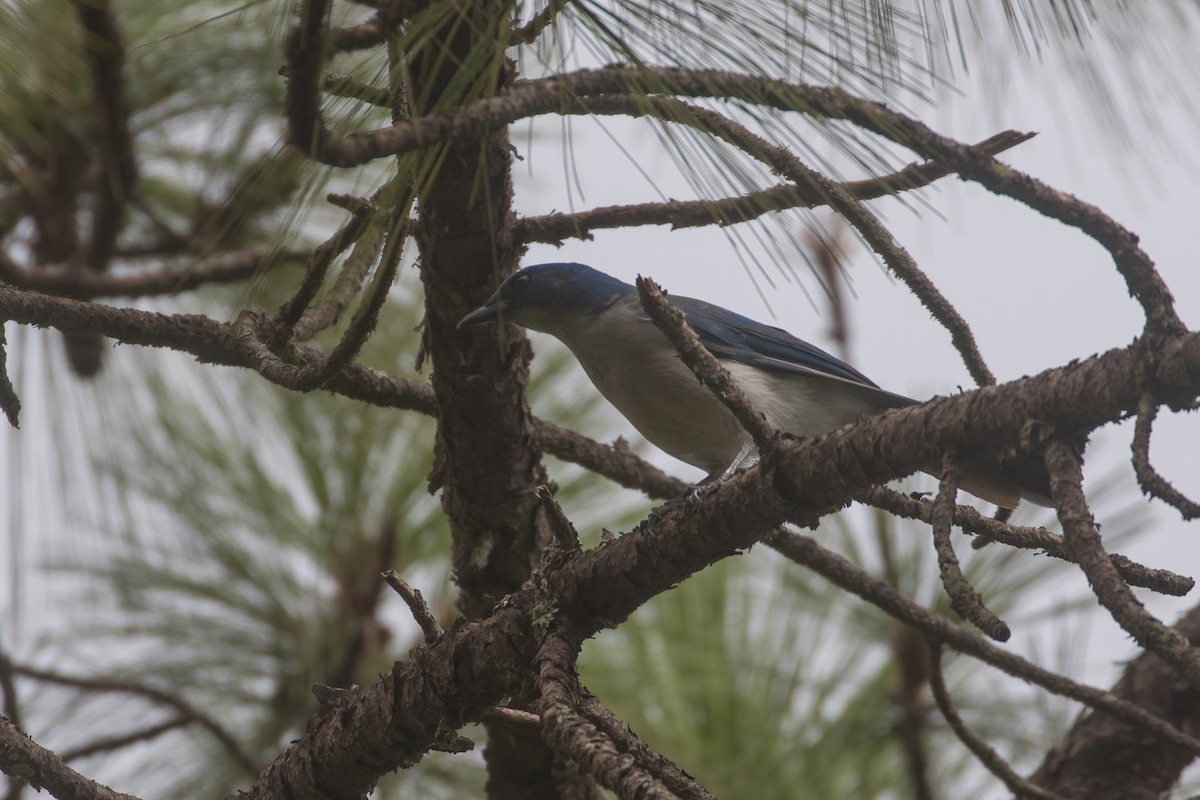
x=521 y=281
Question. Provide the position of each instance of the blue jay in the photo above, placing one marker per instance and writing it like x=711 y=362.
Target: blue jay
x=798 y=387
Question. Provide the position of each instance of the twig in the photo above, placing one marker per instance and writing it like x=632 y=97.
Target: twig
x=572 y=734
x=511 y=716
x=367 y=316
x=108 y=744
x=982 y=750
x=416 y=605
x=963 y=597
x=118 y=166
x=674 y=778
x=530 y=31
x=1133 y=573
x=365 y=319
x=230 y=267
x=349 y=281
x=556 y=227
x=378 y=28
x=1142 y=279
x=614 y=461
x=186 y=709
x=11 y=707
x=703 y=364
x=1152 y=483
x=23 y=757
x=318 y=267
x=10 y=402
x=340 y=85
x=252 y=332
x=249 y=335
x=1082 y=537
x=806 y=551
x=564 y=532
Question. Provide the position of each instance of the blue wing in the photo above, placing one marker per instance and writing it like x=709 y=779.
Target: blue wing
x=732 y=336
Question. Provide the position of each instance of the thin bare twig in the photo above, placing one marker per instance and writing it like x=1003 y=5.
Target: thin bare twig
x=963 y=597
x=556 y=227
x=10 y=402
x=120 y=741
x=969 y=519
x=160 y=696
x=564 y=532
x=367 y=316
x=416 y=605
x=982 y=750
x=228 y=267
x=252 y=333
x=1082 y=537
x=318 y=267
x=348 y=283
x=1152 y=483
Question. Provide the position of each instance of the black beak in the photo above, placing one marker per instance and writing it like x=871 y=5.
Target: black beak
x=487 y=312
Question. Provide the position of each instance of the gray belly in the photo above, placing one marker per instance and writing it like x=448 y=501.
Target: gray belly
x=668 y=405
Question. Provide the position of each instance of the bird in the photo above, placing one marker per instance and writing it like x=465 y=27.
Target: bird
x=799 y=388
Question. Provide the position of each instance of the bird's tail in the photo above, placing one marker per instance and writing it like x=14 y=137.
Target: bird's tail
x=1021 y=477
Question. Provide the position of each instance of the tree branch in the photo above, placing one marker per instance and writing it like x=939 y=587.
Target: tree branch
x=1083 y=395
x=840 y=572
x=965 y=601
x=555 y=228
x=120 y=741
x=118 y=166
x=1160 y=580
x=570 y=732
x=982 y=750
x=154 y=695
x=229 y=267
x=10 y=402
x=23 y=758
x=1082 y=764
x=1152 y=483
x=1083 y=538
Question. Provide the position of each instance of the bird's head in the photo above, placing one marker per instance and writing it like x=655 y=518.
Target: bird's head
x=550 y=297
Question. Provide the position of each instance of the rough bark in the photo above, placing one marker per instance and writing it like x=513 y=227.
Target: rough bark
x=1103 y=757
x=487 y=463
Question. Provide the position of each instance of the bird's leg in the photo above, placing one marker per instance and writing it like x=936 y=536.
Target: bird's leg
x=746 y=456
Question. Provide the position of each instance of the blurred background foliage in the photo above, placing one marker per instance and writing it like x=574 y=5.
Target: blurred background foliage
x=196 y=530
